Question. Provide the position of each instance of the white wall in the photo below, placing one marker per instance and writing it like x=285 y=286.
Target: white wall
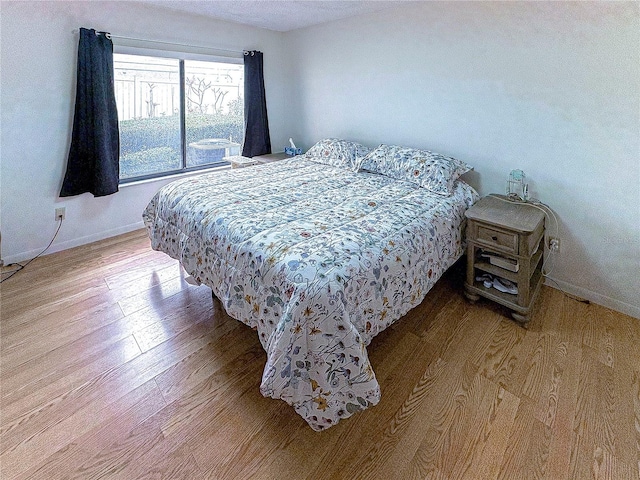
x=552 y=88
x=38 y=61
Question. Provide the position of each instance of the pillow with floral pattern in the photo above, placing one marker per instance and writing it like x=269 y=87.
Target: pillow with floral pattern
x=432 y=171
x=338 y=153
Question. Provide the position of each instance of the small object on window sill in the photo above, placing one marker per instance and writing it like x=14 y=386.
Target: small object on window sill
x=238 y=161
x=292 y=151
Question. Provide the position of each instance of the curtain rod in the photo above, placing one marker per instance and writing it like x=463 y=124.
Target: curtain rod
x=110 y=35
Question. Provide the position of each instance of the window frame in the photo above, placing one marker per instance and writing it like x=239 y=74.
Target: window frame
x=181 y=56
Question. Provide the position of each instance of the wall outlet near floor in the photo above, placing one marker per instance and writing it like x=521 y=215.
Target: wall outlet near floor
x=554 y=244
x=60 y=213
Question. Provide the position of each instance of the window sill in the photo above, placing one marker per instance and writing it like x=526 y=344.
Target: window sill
x=177 y=176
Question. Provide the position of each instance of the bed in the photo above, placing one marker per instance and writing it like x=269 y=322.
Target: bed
x=318 y=254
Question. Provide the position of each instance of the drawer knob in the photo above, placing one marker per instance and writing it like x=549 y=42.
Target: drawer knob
x=494 y=238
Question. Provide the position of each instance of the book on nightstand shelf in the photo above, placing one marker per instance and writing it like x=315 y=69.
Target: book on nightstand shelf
x=502 y=262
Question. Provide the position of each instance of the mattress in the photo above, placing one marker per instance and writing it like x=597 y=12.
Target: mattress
x=318 y=260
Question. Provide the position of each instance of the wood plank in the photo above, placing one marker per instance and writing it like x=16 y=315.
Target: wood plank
x=52 y=437
x=502 y=353
x=92 y=327
x=495 y=438
x=523 y=440
x=26 y=396
x=145 y=401
x=562 y=423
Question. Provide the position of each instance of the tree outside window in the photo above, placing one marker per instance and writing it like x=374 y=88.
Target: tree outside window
x=149 y=95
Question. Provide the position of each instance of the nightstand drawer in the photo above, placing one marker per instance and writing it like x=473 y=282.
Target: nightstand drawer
x=505 y=241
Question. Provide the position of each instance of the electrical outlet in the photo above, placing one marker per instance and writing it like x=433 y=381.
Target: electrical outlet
x=60 y=213
x=554 y=244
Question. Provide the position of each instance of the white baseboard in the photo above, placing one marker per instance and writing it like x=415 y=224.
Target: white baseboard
x=608 y=302
x=76 y=242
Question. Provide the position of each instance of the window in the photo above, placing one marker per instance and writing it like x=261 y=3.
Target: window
x=176 y=115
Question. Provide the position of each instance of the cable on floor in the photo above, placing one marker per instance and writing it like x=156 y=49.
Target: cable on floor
x=21 y=266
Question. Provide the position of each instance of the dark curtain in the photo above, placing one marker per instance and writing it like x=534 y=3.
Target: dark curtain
x=93 y=164
x=256 y=132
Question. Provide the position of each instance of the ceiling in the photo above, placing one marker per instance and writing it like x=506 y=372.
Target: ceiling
x=278 y=15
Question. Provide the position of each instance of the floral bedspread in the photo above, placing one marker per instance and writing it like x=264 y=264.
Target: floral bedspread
x=318 y=260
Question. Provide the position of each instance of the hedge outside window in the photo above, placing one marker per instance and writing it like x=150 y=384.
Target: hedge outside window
x=176 y=115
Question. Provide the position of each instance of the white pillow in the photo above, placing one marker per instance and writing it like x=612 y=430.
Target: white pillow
x=429 y=170
x=338 y=153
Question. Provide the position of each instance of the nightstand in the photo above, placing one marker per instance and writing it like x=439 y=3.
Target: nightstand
x=505 y=239
x=271 y=157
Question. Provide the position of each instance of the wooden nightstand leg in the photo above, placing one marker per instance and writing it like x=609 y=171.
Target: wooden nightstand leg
x=471 y=252
x=472 y=297
x=523 y=319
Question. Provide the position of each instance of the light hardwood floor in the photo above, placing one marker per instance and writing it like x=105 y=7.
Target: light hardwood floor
x=114 y=367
